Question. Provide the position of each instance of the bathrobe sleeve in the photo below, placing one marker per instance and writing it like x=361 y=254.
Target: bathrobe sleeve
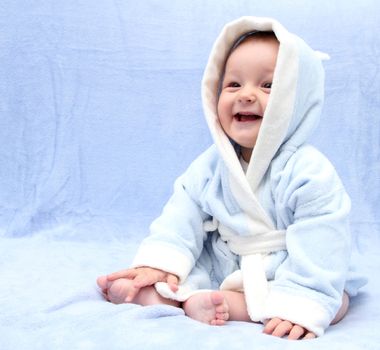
x=177 y=235
x=308 y=285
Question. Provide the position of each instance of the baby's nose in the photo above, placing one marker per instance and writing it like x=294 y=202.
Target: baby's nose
x=247 y=95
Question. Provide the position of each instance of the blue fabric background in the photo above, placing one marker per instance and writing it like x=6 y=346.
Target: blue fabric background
x=100 y=111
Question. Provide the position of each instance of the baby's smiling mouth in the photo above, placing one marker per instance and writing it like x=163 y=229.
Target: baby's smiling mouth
x=246 y=117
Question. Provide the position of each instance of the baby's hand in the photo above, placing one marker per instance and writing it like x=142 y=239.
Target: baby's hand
x=143 y=277
x=280 y=328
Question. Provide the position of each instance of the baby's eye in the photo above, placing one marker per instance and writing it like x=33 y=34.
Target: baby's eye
x=267 y=85
x=233 y=84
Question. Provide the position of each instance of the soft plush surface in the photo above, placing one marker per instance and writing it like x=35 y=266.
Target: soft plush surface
x=100 y=111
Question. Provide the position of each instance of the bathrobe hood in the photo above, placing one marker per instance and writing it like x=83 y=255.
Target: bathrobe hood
x=294 y=105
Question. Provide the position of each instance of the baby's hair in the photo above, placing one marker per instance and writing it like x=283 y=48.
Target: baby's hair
x=253 y=34
x=256 y=34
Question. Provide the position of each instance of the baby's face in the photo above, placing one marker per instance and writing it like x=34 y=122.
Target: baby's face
x=245 y=90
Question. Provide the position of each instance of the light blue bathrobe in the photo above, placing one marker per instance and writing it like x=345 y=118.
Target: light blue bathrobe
x=279 y=231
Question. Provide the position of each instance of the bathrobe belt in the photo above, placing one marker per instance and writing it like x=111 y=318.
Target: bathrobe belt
x=252 y=276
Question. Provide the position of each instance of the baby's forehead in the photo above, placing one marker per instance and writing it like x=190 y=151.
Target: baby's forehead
x=250 y=37
x=253 y=49
x=261 y=40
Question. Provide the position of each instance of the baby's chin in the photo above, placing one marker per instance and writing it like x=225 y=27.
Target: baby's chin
x=248 y=145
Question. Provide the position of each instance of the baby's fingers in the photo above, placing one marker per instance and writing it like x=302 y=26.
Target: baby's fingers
x=144 y=279
x=271 y=325
x=296 y=332
x=132 y=292
x=279 y=328
x=126 y=273
x=282 y=329
x=309 y=335
x=172 y=281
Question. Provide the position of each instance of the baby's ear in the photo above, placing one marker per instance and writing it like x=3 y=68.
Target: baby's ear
x=323 y=56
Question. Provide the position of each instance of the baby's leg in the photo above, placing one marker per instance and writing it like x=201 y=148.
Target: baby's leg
x=117 y=291
x=217 y=307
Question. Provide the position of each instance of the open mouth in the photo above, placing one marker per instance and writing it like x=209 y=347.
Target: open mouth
x=247 y=117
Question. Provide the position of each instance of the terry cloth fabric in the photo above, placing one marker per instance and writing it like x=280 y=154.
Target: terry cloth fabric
x=274 y=131
x=224 y=228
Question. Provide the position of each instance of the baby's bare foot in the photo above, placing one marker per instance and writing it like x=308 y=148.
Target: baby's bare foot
x=115 y=291
x=118 y=290
x=208 y=307
x=102 y=282
x=103 y=285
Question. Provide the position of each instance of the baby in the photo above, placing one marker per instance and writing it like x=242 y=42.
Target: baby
x=257 y=227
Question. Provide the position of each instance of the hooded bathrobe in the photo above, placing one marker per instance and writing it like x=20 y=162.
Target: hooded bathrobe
x=279 y=231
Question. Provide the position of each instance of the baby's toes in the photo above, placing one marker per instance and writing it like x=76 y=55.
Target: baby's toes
x=102 y=282
x=218 y=322
x=224 y=316
x=222 y=308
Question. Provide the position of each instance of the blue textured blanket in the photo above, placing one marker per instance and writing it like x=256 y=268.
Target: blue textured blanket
x=100 y=111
